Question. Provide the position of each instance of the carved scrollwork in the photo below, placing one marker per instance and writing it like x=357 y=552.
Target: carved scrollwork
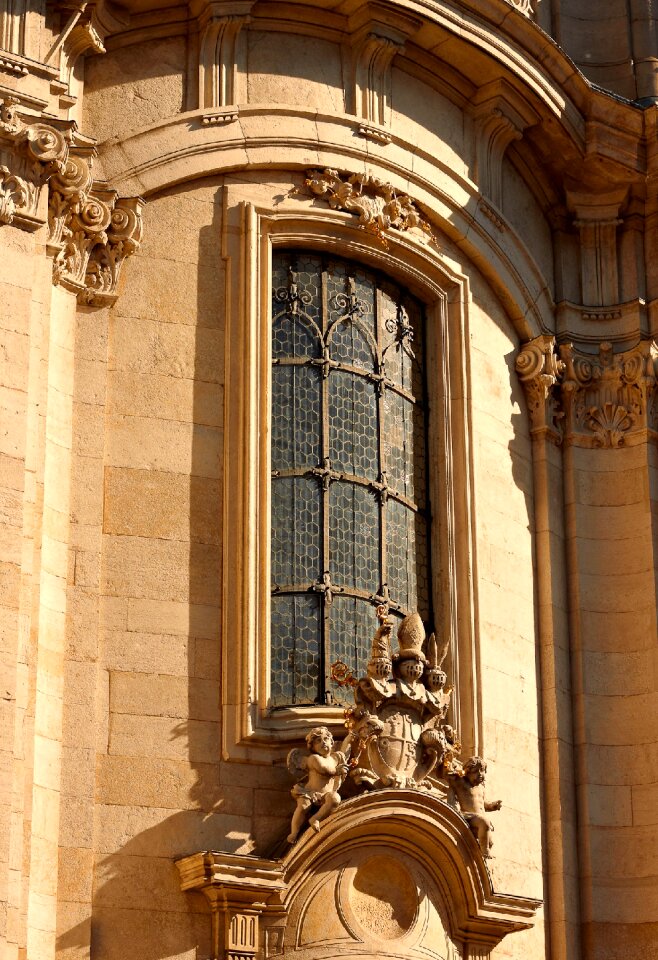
x=539 y=368
x=523 y=6
x=377 y=204
x=90 y=231
x=123 y=239
x=607 y=397
x=30 y=154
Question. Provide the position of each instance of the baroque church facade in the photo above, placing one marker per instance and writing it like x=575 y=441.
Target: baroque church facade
x=329 y=479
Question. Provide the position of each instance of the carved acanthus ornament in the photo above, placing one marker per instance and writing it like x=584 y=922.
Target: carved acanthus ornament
x=607 y=398
x=377 y=204
x=90 y=229
x=91 y=232
x=595 y=400
x=30 y=154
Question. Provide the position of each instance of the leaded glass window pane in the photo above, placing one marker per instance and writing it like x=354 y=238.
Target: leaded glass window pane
x=349 y=522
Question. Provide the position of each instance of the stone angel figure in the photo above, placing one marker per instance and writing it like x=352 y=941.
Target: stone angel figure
x=468 y=787
x=319 y=770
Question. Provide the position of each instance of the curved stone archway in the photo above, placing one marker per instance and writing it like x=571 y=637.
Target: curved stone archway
x=394 y=872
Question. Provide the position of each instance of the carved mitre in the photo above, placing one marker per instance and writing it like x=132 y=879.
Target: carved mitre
x=411 y=637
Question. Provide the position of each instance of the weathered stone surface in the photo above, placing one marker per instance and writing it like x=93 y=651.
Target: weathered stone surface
x=135 y=726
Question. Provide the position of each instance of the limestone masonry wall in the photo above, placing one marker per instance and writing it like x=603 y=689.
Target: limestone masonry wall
x=152 y=157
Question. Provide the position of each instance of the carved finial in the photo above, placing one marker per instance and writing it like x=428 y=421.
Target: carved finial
x=411 y=637
x=435 y=678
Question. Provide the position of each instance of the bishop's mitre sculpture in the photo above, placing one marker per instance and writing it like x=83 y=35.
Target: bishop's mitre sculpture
x=397 y=735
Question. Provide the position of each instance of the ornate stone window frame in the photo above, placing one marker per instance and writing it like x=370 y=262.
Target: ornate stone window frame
x=251 y=228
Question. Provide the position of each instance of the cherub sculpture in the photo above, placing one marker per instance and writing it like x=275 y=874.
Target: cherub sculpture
x=320 y=771
x=469 y=791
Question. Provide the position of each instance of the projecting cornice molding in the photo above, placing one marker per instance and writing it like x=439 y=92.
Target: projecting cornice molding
x=90 y=229
x=590 y=400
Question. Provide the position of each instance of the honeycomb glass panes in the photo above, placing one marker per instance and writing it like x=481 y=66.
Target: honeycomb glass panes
x=295 y=531
x=296 y=439
x=406 y=553
x=351 y=628
x=348 y=467
x=354 y=535
x=353 y=425
x=295 y=649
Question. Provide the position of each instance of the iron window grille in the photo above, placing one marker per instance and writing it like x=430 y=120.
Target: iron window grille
x=350 y=517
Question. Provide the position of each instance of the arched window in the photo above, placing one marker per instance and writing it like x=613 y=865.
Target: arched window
x=349 y=476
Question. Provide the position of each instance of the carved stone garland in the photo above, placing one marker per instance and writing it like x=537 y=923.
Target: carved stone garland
x=591 y=400
x=90 y=229
x=376 y=203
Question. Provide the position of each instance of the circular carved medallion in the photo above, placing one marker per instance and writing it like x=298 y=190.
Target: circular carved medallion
x=383 y=898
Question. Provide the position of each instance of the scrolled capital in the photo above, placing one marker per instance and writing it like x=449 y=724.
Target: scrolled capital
x=31 y=153
x=608 y=398
x=539 y=368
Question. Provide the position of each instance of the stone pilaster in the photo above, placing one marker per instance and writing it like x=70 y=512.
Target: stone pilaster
x=501 y=116
x=597 y=217
x=221 y=58
x=376 y=39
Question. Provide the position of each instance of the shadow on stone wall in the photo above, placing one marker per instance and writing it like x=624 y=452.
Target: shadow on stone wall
x=175 y=799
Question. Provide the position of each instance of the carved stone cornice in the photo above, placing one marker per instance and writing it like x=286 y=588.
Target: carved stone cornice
x=605 y=400
x=91 y=232
x=30 y=154
x=258 y=907
x=377 y=204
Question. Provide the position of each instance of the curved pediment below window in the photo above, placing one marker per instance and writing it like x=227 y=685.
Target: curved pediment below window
x=392 y=873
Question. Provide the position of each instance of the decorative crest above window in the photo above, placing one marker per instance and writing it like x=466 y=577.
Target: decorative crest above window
x=377 y=204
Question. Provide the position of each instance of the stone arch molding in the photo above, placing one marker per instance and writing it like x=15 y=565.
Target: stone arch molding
x=179 y=150
x=394 y=873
